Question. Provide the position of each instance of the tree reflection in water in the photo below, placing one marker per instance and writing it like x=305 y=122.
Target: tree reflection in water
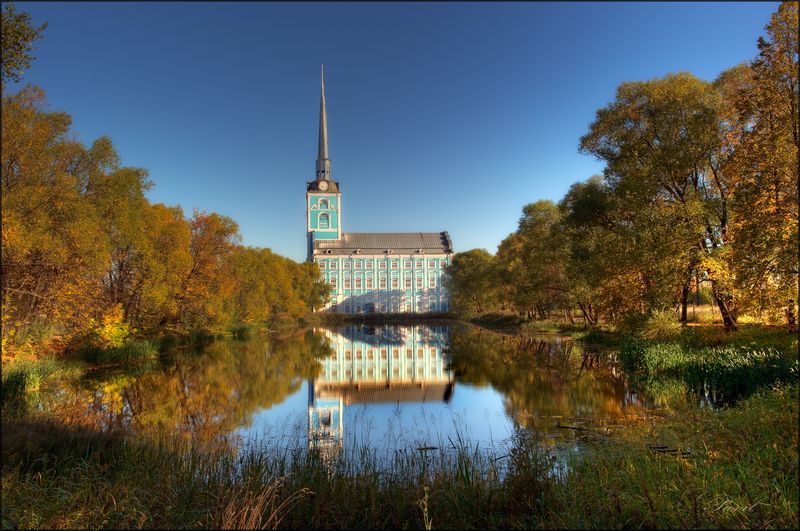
x=546 y=384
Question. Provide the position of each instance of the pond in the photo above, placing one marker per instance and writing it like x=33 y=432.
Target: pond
x=382 y=387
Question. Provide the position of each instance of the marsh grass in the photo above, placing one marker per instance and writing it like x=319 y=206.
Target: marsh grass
x=732 y=468
x=132 y=351
x=721 y=374
x=24 y=380
x=736 y=468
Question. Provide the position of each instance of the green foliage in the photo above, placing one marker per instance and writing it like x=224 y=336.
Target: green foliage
x=472 y=281
x=661 y=325
x=699 y=186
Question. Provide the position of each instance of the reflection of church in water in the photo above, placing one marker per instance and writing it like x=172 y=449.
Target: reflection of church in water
x=372 y=365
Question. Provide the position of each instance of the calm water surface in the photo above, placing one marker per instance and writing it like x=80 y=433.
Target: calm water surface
x=386 y=387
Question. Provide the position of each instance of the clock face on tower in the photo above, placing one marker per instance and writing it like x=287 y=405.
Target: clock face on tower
x=323 y=185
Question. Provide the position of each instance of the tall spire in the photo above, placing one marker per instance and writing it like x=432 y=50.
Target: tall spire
x=323 y=163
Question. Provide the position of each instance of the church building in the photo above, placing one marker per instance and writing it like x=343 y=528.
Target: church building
x=392 y=272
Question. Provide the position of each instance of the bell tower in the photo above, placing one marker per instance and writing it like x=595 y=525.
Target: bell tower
x=323 y=199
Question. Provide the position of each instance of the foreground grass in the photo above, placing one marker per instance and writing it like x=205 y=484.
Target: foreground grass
x=698 y=468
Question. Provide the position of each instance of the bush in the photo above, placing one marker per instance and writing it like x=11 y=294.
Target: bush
x=661 y=325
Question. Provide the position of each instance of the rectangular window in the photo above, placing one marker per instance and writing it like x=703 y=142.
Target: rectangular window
x=382 y=264
x=432 y=264
x=358 y=282
x=418 y=264
x=432 y=281
x=346 y=264
x=332 y=264
x=408 y=282
x=395 y=264
x=407 y=264
x=419 y=282
x=358 y=264
x=394 y=283
x=333 y=281
x=408 y=307
x=369 y=282
x=346 y=282
x=368 y=264
x=382 y=283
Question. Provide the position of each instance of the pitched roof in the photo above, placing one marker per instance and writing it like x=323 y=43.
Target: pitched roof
x=379 y=242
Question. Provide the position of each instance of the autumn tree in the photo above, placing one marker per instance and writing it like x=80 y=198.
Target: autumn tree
x=661 y=141
x=209 y=281
x=762 y=107
x=53 y=246
x=17 y=40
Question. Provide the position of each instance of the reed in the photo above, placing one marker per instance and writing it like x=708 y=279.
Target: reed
x=733 y=468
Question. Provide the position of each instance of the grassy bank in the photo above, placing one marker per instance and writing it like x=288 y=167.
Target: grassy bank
x=735 y=468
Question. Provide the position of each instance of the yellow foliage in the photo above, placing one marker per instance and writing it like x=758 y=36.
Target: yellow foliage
x=112 y=331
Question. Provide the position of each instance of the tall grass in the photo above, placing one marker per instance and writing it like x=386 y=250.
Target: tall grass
x=729 y=372
x=23 y=378
x=735 y=468
x=132 y=351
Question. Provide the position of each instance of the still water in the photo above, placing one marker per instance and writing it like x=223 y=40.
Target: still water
x=383 y=387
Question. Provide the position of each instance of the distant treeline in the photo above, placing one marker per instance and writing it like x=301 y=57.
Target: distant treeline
x=701 y=185
x=83 y=248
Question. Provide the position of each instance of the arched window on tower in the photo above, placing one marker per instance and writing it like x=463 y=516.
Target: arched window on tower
x=324 y=221
x=323 y=203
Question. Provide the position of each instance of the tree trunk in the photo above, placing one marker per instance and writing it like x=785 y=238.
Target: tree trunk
x=723 y=301
x=684 y=303
x=791 y=319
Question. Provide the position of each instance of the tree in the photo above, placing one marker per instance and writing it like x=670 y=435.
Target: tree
x=473 y=282
x=533 y=261
x=762 y=108
x=210 y=281
x=17 y=39
x=53 y=247
x=662 y=143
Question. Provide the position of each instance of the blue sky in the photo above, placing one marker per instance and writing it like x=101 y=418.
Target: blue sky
x=441 y=116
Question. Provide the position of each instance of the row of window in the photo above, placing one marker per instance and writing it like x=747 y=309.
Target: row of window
x=422 y=372
x=368 y=264
x=383 y=307
x=384 y=353
x=395 y=282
